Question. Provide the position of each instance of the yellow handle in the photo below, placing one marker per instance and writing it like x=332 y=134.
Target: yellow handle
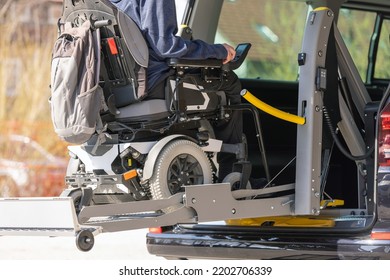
x=321 y=9
x=271 y=110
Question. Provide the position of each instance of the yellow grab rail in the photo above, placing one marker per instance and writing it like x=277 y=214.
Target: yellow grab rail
x=271 y=110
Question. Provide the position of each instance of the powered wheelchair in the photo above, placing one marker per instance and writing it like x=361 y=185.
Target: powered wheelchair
x=151 y=148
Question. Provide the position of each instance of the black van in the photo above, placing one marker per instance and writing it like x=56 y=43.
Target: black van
x=339 y=160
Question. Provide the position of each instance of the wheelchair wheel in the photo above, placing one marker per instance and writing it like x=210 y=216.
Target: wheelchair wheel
x=180 y=163
x=234 y=179
x=85 y=240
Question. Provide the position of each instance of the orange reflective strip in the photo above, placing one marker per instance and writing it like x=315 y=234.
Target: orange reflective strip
x=112 y=45
x=130 y=174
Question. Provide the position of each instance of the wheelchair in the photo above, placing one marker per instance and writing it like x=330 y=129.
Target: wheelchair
x=152 y=148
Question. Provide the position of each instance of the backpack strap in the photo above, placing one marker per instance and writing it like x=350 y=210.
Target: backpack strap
x=102 y=135
x=100 y=128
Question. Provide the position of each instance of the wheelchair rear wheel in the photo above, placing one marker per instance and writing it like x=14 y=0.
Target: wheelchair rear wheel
x=180 y=163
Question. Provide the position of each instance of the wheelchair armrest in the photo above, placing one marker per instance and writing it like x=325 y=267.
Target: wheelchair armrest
x=241 y=53
x=188 y=63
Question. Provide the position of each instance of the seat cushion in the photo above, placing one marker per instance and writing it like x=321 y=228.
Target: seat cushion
x=147 y=110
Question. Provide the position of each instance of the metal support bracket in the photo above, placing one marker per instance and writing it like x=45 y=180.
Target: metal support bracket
x=309 y=135
x=215 y=202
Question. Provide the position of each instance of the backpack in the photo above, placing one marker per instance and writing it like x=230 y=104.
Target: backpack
x=76 y=98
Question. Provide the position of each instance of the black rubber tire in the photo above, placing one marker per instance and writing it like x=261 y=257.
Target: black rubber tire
x=180 y=163
x=85 y=240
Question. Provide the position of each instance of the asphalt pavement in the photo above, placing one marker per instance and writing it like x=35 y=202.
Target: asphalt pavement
x=127 y=245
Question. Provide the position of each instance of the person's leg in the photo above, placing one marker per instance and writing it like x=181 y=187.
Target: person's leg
x=230 y=130
x=157 y=92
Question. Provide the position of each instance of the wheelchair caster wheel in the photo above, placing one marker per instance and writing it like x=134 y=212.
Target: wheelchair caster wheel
x=85 y=240
x=234 y=180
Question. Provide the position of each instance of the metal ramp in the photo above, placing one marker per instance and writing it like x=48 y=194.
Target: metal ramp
x=56 y=216
x=51 y=216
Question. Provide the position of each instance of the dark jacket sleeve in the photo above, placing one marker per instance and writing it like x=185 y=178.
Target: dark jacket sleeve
x=159 y=24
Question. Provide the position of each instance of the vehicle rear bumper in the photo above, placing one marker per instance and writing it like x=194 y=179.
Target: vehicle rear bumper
x=218 y=245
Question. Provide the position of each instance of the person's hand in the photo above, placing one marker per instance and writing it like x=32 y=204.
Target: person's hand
x=231 y=53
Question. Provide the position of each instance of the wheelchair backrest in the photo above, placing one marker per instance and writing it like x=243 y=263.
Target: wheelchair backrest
x=124 y=61
x=123 y=49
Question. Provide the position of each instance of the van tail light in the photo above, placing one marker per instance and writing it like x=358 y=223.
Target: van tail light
x=380 y=235
x=384 y=137
x=155 y=230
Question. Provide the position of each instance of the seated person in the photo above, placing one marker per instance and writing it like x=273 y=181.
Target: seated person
x=158 y=24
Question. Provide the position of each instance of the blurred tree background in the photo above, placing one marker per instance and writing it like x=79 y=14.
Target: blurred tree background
x=28 y=30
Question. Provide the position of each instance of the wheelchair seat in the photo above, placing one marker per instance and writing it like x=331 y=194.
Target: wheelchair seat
x=147 y=110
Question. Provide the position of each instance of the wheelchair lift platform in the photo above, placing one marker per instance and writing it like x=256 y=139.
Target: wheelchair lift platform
x=56 y=216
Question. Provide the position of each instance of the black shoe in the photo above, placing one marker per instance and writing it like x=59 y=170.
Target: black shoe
x=258 y=183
